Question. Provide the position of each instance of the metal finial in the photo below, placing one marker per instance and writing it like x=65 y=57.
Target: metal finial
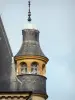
x=29 y=13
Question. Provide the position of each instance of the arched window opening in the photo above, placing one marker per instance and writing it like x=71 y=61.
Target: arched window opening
x=34 y=67
x=23 y=68
x=43 y=69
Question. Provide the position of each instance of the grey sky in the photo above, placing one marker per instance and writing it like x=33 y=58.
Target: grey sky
x=56 y=21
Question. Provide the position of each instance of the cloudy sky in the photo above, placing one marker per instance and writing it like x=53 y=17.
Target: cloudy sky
x=55 y=20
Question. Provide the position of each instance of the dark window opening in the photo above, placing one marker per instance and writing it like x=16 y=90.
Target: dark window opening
x=23 y=68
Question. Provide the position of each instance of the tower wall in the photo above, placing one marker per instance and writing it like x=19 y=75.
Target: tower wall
x=34 y=83
x=29 y=61
x=37 y=98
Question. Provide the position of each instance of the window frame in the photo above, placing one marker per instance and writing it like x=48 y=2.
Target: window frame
x=23 y=67
x=34 y=68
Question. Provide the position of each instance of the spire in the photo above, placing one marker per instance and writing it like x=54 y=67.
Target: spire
x=29 y=13
x=29 y=25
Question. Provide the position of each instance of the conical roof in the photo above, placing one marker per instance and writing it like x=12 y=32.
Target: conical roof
x=30 y=45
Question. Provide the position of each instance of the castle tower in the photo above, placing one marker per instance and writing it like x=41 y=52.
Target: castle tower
x=31 y=63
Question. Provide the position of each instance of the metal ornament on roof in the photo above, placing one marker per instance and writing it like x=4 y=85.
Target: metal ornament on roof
x=29 y=13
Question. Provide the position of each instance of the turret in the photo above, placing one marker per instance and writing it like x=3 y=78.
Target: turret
x=31 y=63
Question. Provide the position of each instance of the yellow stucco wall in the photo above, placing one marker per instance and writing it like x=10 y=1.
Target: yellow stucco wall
x=37 y=98
x=29 y=62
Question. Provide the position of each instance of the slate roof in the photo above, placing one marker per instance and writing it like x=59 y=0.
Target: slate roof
x=30 y=45
x=5 y=59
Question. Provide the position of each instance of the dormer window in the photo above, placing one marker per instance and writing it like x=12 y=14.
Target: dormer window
x=23 y=68
x=34 y=67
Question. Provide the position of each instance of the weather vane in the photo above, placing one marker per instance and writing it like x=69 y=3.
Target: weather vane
x=29 y=12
